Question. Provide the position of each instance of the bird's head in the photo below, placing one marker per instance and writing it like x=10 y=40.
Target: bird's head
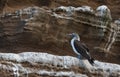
x=75 y=36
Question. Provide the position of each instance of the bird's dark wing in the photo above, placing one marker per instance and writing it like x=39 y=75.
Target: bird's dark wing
x=83 y=44
x=82 y=49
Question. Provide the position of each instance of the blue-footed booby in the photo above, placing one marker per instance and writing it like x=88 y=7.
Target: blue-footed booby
x=80 y=49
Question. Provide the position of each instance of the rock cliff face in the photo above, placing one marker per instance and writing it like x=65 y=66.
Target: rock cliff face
x=10 y=5
x=34 y=64
x=45 y=29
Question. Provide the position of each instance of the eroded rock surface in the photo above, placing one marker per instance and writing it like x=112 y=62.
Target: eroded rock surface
x=36 y=64
x=35 y=28
x=45 y=30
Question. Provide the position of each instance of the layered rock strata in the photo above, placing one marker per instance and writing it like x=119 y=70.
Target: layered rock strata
x=43 y=28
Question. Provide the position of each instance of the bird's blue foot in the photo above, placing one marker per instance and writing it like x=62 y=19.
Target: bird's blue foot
x=79 y=57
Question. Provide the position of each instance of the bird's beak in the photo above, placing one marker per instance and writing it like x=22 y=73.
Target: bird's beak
x=69 y=34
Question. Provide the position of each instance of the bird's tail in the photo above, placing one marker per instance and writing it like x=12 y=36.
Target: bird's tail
x=91 y=61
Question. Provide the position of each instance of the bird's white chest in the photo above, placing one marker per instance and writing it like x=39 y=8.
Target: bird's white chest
x=73 y=47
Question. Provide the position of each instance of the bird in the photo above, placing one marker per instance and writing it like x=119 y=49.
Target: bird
x=80 y=48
